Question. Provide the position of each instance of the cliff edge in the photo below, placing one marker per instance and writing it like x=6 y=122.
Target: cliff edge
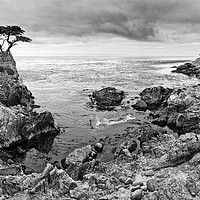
x=21 y=128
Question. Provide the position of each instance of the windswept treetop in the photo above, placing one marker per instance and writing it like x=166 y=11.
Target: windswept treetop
x=9 y=36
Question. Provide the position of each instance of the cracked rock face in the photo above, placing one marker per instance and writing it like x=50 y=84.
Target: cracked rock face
x=181 y=112
x=178 y=109
x=20 y=127
x=12 y=90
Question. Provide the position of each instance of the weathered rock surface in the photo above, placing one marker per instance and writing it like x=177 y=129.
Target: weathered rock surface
x=20 y=127
x=12 y=90
x=107 y=98
x=174 y=175
x=178 y=108
x=190 y=68
x=181 y=112
x=152 y=98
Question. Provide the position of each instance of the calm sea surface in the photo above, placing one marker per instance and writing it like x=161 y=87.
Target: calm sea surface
x=61 y=85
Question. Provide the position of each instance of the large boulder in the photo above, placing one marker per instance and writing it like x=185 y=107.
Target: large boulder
x=107 y=98
x=152 y=98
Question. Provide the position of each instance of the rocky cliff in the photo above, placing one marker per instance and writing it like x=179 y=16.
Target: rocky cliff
x=21 y=128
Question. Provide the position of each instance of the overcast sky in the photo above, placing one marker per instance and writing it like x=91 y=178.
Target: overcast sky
x=106 y=27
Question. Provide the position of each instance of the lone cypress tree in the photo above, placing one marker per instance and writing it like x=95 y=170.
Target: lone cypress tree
x=10 y=36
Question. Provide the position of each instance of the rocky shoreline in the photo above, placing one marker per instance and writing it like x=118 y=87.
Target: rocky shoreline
x=159 y=160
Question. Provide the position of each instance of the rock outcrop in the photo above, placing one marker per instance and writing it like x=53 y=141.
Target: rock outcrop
x=12 y=91
x=21 y=128
x=178 y=109
x=181 y=111
x=107 y=98
x=152 y=98
x=189 y=68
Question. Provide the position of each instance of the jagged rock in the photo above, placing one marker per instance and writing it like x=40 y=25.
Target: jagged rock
x=12 y=90
x=107 y=98
x=181 y=113
x=19 y=131
x=189 y=68
x=153 y=97
x=20 y=127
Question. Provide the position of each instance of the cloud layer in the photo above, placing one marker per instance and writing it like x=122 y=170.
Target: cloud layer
x=141 y=20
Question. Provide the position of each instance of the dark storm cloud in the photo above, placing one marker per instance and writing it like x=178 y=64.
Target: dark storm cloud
x=141 y=20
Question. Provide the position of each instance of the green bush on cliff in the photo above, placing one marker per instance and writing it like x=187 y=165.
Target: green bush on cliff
x=9 y=36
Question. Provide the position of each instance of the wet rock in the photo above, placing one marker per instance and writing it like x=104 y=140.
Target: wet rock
x=190 y=69
x=155 y=96
x=107 y=98
x=140 y=105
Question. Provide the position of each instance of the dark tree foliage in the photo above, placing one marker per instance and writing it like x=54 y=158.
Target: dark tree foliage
x=9 y=36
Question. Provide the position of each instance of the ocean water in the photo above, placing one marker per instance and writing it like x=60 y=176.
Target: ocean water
x=61 y=85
